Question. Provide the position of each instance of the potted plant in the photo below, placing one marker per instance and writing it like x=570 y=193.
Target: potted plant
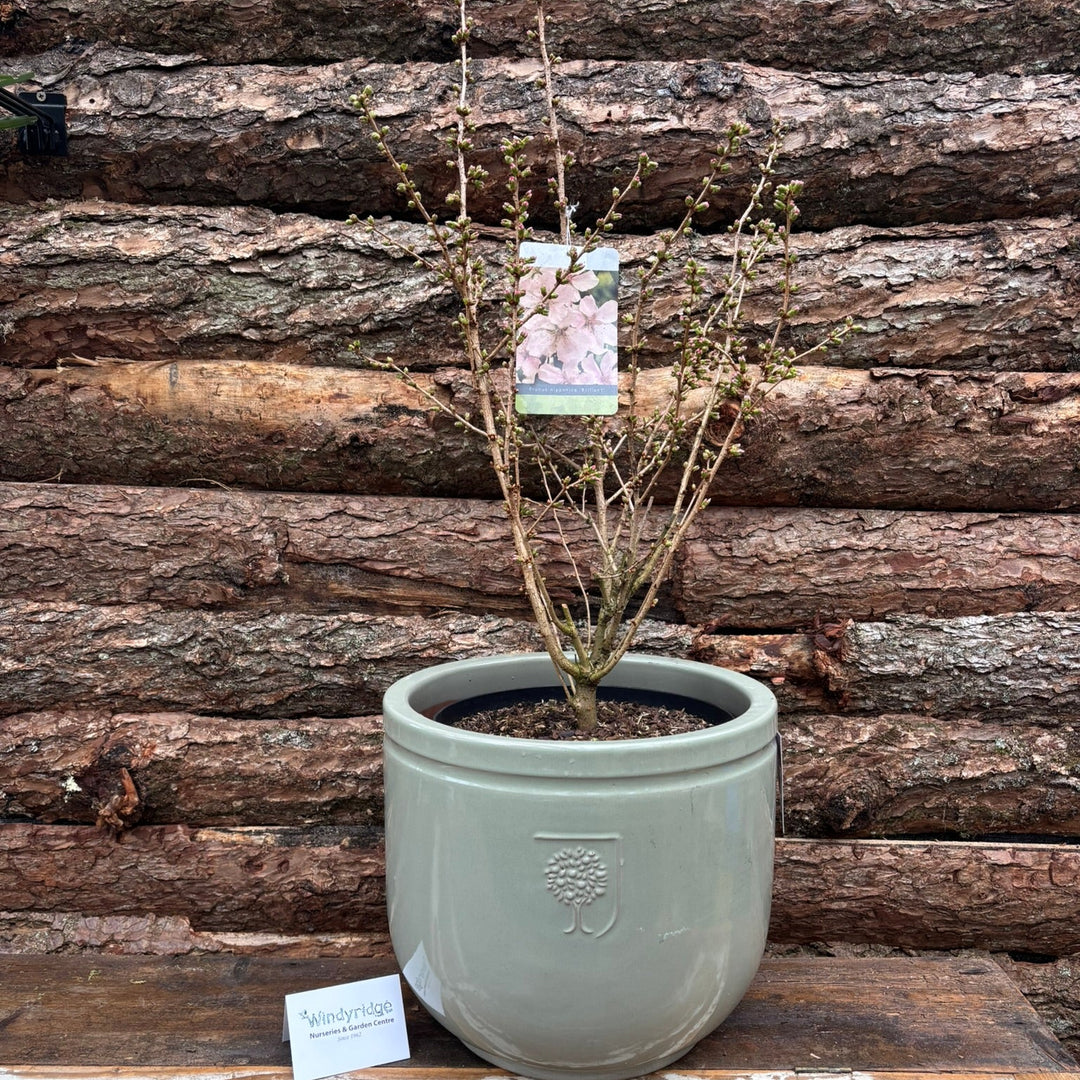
x=578 y=905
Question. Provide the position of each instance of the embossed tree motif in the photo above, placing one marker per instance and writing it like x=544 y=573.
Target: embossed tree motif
x=576 y=876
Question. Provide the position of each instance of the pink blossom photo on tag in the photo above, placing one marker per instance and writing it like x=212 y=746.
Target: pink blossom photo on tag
x=567 y=357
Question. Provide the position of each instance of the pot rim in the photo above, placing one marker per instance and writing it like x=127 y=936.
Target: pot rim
x=752 y=728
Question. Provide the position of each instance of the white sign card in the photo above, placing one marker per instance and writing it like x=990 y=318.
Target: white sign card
x=568 y=359
x=340 y=1028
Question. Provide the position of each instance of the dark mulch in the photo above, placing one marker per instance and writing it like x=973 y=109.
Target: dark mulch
x=554 y=720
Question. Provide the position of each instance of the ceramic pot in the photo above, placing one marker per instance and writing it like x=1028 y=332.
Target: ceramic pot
x=579 y=909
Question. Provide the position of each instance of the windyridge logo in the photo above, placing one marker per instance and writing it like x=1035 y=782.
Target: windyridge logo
x=322 y=1022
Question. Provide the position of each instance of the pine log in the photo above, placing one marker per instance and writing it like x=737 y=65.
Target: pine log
x=886 y=438
x=193 y=770
x=843 y=776
x=244 y=664
x=1015 y=669
x=1008 y=669
x=917 y=894
x=904 y=893
x=939 y=147
x=98 y=279
x=46 y=932
x=914 y=776
x=776 y=568
x=291 y=881
x=751 y=568
x=917 y=35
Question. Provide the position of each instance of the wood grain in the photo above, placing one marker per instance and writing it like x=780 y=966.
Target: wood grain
x=99 y=279
x=917 y=35
x=940 y=147
x=826 y=1012
x=745 y=567
x=915 y=894
x=888 y=438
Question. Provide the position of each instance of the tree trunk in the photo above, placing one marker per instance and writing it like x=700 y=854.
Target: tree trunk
x=885 y=438
x=751 y=568
x=43 y=932
x=1012 y=669
x=917 y=36
x=147 y=128
x=918 y=894
x=192 y=770
x=1009 y=669
x=893 y=775
x=904 y=893
x=95 y=280
x=905 y=775
x=291 y=881
x=773 y=568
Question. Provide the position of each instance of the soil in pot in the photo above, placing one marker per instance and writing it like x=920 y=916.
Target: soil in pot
x=534 y=714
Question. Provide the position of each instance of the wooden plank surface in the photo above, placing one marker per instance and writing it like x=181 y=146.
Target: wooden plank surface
x=800 y=1013
x=280 y=1072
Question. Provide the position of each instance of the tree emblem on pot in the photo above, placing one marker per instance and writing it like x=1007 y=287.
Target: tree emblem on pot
x=576 y=876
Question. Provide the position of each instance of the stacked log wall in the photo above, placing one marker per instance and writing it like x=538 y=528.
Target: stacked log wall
x=222 y=536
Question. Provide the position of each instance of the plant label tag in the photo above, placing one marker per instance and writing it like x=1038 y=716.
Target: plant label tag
x=424 y=982
x=340 y=1028
x=567 y=361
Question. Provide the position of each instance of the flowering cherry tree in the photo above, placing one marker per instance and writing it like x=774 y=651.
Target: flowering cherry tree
x=560 y=328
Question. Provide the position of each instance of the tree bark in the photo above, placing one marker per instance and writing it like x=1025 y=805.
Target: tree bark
x=775 y=568
x=97 y=279
x=291 y=881
x=140 y=656
x=191 y=770
x=916 y=36
x=898 y=775
x=747 y=568
x=192 y=547
x=904 y=893
x=914 y=775
x=919 y=894
x=37 y=933
x=243 y=664
x=146 y=128
x=1010 y=669
x=887 y=438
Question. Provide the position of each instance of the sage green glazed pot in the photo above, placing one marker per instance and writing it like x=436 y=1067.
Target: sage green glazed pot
x=579 y=909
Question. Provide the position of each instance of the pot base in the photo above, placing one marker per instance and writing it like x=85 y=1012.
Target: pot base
x=548 y=1072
